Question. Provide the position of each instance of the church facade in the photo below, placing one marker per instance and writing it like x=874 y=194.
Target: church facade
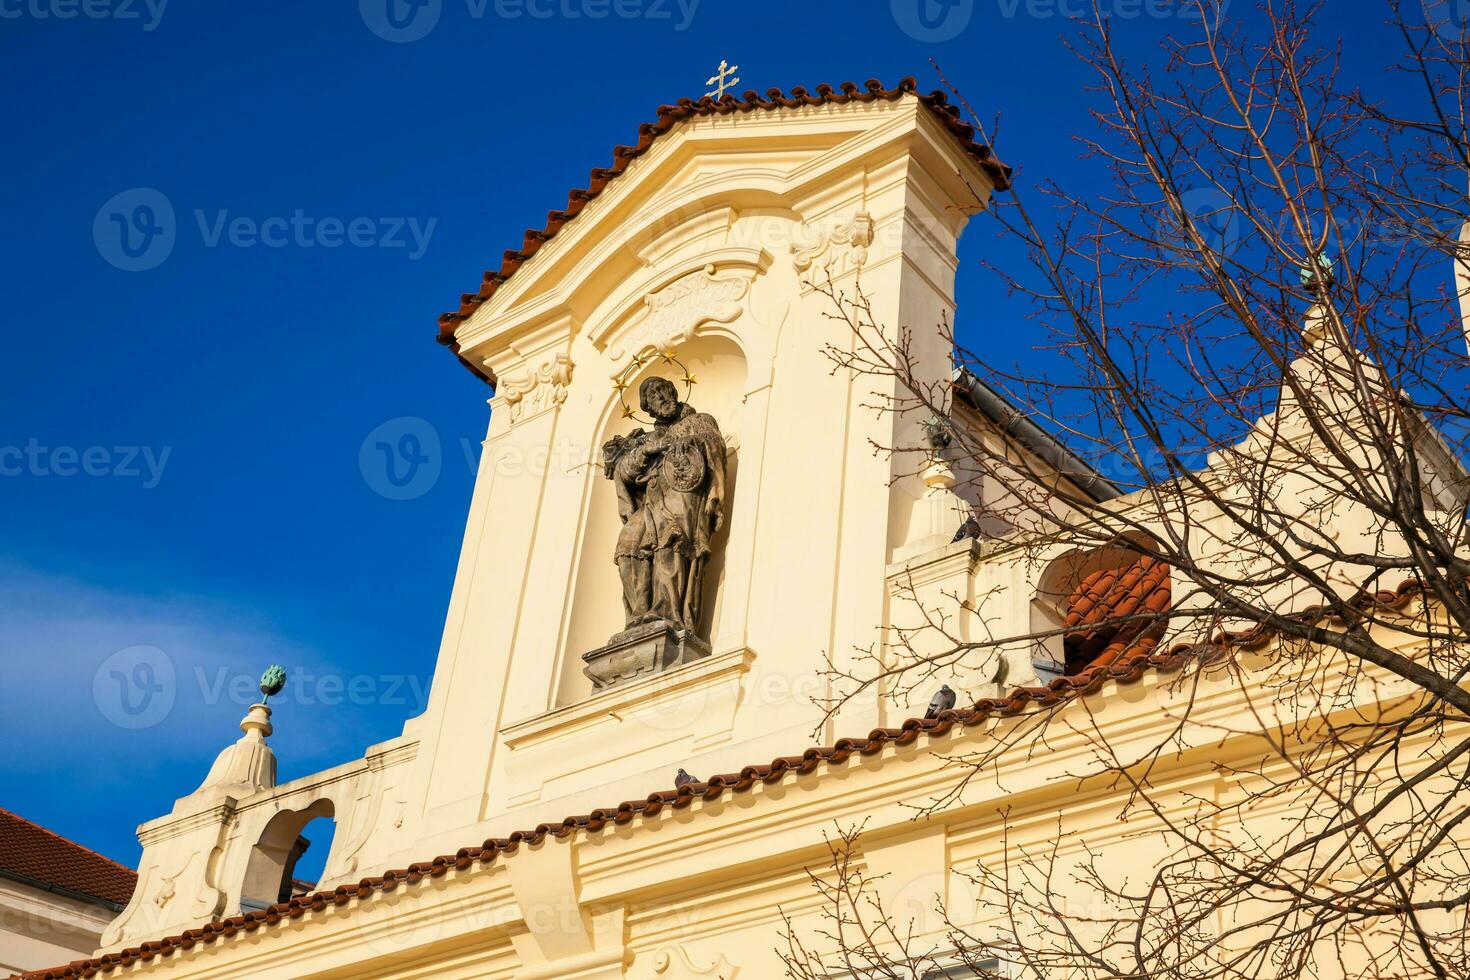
x=634 y=753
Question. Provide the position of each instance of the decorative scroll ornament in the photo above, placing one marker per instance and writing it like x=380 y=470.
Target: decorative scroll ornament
x=673 y=963
x=672 y=314
x=170 y=884
x=370 y=802
x=534 y=391
x=833 y=252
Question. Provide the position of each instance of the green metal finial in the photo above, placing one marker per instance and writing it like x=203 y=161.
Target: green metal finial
x=1320 y=277
x=272 y=681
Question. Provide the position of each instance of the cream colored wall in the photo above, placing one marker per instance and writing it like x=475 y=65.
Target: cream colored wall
x=41 y=928
x=709 y=246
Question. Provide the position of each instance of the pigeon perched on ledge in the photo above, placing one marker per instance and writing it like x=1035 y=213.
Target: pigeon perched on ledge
x=969 y=529
x=944 y=699
x=683 y=779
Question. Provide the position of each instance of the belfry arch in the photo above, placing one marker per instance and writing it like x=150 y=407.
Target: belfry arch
x=1063 y=583
x=271 y=868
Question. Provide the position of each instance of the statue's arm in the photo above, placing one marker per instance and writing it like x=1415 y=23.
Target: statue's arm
x=620 y=478
x=714 y=448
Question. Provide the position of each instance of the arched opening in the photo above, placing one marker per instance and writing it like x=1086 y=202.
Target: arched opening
x=289 y=857
x=1092 y=606
x=311 y=863
x=596 y=609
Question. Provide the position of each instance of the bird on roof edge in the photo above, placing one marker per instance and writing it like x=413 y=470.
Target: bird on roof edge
x=683 y=779
x=944 y=699
x=969 y=529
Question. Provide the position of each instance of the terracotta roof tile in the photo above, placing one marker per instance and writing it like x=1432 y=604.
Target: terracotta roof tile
x=671 y=115
x=30 y=851
x=1127 y=668
x=1116 y=612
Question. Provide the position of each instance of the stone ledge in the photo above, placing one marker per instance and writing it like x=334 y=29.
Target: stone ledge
x=916 y=558
x=645 y=723
x=610 y=702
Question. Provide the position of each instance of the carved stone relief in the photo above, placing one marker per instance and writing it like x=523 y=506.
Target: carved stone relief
x=186 y=895
x=832 y=251
x=671 y=315
x=673 y=963
x=536 y=389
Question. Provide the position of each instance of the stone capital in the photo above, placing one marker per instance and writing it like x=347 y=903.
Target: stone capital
x=534 y=370
x=827 y=250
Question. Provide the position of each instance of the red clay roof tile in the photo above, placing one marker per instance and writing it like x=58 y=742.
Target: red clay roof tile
x=1098 y=613
x=30 y=851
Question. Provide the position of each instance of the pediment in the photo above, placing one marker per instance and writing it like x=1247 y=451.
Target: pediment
x=660 y=202
x=678 y=198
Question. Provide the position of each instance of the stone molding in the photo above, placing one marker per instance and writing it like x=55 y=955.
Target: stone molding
x=782 y=824
x=695 y=704
x=832 y=250
x=538 y=389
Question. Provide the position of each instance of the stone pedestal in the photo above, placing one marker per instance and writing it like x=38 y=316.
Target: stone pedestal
x=641 y=652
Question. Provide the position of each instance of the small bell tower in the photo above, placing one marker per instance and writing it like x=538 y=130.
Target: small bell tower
x=676 y=398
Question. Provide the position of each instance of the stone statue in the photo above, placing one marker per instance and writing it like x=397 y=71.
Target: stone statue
x=671 y=497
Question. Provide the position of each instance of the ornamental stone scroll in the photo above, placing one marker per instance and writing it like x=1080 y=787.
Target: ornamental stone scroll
x=537 y=389
x=672 y=314
x=675 y=963
x=828 y=252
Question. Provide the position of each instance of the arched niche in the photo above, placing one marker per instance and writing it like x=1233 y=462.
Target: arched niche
x=596 y=611
x=1060 y=579
x=271 y=870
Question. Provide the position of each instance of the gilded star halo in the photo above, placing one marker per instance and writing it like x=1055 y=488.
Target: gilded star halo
x=624 y=378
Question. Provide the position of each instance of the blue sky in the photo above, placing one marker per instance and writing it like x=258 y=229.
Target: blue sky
x=185 y=490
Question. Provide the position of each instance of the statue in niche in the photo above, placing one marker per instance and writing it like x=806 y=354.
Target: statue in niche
x=670 y=485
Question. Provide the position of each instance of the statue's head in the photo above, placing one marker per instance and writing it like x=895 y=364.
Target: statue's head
x=659 y=398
